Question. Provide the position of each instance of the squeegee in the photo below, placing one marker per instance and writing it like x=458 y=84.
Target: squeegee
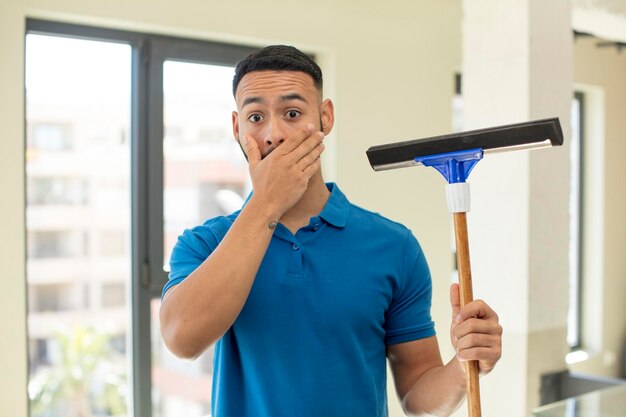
x=454 y=156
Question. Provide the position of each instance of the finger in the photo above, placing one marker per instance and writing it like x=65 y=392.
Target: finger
x=307 y=146
x=251 y=150
x=311 y=156
x=455 y=300
x=313 y=168
x=293 y=141
x=477 y=326
x=487 y=356
x=477 y=308
x=475 y=340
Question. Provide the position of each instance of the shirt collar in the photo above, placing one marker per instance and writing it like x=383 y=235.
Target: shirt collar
x=337 y=208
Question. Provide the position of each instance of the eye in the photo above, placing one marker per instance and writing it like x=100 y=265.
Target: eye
x=292 y=114
x=255 y=118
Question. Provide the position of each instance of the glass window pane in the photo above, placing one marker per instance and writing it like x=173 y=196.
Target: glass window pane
x=205 y=173
x=78 y=226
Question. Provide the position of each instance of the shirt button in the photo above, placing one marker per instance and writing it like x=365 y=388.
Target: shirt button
x=295 y=246
x=317 y=226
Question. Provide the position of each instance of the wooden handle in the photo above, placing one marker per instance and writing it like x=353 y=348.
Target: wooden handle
x=465 y=284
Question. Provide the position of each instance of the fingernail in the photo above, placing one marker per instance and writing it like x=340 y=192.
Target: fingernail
x=245 y=139
x=458 y=318
x=310 y=127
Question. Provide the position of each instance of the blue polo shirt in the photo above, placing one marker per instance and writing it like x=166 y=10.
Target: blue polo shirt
x=311 y=337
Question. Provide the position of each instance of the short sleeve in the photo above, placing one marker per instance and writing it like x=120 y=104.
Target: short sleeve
x=408 y=317
x=193 y=247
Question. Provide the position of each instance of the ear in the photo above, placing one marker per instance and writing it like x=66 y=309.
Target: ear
x=235 y=120
x=327 y=115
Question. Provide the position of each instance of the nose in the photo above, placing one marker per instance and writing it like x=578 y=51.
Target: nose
x=275 y=134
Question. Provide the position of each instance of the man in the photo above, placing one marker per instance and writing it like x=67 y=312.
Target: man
x=304 y=294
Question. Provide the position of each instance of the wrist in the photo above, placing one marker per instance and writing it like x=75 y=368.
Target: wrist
x=263 y=210
x=457 y=368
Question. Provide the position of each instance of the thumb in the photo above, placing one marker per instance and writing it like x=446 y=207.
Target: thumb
x=455 y=300
x=251 y=149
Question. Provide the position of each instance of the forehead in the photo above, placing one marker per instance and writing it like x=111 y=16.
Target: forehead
x=274 y=83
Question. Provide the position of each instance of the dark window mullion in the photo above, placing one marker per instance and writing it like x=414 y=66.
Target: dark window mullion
x=155 y=128
x=141 y=348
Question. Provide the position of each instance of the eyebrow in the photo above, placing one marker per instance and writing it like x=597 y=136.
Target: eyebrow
x=261 y=100
x=293 y=96
x=252 y=100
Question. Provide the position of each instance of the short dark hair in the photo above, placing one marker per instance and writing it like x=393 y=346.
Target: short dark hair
x=278 y=58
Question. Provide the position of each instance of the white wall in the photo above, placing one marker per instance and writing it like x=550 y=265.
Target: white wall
x=389 y=69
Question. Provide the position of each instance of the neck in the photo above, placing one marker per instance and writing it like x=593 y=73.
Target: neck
x=310 y=204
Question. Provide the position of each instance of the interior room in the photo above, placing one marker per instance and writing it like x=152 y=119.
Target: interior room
x=117 y=137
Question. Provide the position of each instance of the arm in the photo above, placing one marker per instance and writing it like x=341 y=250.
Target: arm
x=199 y=310
x=426 y=386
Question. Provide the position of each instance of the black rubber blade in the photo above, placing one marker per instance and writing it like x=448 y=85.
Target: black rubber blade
x=527 y=135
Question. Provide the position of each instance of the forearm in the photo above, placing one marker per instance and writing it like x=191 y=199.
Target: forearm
x=438 y=392
x=199 y=310
x=427 y=387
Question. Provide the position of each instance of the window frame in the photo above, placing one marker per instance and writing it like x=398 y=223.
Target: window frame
x=579 y=96
x=149 y=52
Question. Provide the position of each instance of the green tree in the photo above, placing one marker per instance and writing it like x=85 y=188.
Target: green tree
x=85 y=381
